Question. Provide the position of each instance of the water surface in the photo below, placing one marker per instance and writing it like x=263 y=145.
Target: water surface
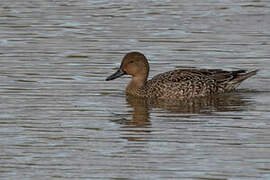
x=59 y=119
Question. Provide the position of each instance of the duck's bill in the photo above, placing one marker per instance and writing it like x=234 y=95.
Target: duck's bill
x=117 y=74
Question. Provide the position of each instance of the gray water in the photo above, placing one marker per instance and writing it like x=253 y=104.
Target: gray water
x=59 y=119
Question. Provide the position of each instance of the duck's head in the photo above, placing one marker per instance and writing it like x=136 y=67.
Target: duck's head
x=134 y=64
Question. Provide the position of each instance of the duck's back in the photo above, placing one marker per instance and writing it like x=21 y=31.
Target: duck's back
x=185 y=83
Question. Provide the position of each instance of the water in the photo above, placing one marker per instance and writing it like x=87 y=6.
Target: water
x=59 y=119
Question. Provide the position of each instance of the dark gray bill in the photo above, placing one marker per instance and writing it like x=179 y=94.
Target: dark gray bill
x=117 y=74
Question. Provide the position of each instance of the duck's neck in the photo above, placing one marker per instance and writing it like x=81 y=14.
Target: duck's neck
x=135 y=84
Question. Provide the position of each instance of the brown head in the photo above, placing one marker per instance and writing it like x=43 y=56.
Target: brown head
x=134 y=64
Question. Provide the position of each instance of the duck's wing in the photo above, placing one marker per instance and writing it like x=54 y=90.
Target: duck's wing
x=219 y=75
x=195 y=82
x=228 y=79
x=181 y=75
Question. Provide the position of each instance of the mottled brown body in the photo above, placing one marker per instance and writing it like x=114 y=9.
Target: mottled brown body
x=176 y=84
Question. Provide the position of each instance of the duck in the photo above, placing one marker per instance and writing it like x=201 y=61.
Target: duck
x=176 y=84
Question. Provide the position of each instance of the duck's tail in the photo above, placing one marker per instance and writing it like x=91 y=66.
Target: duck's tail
x=239 y=77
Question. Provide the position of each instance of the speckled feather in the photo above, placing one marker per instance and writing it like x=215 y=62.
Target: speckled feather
x=186 y=83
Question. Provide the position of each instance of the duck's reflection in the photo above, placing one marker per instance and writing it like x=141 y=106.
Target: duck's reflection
x=206 y=105
x=139 y=126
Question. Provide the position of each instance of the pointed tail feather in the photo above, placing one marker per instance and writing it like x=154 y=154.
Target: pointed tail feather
x=241 y=77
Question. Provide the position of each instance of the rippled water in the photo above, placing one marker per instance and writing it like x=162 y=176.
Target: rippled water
x=59 y=119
